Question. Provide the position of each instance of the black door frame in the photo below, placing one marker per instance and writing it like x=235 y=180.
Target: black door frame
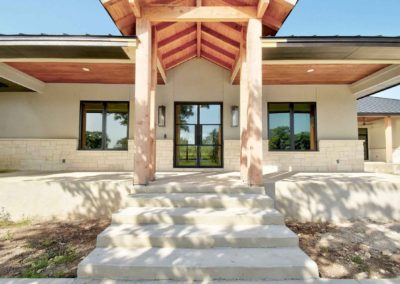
x=198 y=104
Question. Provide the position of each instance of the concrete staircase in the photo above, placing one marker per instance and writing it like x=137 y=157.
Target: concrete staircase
x=198 y=233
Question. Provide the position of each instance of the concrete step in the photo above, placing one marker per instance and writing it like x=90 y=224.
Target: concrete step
x=199 y=236
x=201 y=200
x=194 y=264
x=197 y=188
x=193 y=216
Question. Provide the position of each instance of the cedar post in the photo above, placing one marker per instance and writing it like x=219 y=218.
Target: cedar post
x=389 y=139
x=254 y=110
x=142 y=102
x=152 y=166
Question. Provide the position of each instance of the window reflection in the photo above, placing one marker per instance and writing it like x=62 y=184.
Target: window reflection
x=117 y=126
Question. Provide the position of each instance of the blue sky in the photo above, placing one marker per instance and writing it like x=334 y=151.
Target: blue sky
x=310 y=17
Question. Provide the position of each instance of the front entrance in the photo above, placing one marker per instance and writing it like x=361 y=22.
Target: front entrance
x=363 y=135
x=198 y=135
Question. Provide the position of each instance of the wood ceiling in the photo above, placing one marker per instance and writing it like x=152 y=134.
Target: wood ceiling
x=218 y=42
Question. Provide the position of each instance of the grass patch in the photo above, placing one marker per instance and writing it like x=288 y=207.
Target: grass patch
x=357 y=260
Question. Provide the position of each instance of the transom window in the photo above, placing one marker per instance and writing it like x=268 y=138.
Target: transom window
x=291 y=127
x=104 y=126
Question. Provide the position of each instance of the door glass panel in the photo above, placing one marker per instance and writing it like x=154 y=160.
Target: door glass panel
x=93 y=123
x=210 y=114
x=211 y=135
x=186 y=156
x=185 y=134
x=302 y=126
x=210 y=156
x=279 y=126
x=186 y=114
x=117 y=126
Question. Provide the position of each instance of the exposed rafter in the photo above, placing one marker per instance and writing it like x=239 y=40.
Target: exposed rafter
x=216 y=60
x=177 y=36
x=262 y=7
x=179 y=49
x=221 y=37
x=135 y=5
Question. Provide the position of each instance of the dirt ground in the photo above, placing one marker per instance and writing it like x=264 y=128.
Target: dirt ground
x=358 y=249
x=46 y=249
x=54 y=249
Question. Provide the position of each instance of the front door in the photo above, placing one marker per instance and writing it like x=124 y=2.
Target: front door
x=198 y=135
x=363 y=135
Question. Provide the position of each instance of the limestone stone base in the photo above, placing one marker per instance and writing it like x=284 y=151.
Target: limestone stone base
x=62 y=155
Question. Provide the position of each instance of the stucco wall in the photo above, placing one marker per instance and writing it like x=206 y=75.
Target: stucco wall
x=55 y=115
x=376 y=139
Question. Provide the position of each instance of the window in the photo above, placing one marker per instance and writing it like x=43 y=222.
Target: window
x=104 y=126
x=291 y=127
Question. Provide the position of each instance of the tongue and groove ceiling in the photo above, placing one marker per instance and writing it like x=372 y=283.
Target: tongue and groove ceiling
x=218 y=42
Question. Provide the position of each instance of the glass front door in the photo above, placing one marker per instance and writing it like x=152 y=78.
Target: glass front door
x=198 y=135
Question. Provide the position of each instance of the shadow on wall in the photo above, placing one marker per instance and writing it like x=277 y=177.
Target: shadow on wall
x=336 y=196
x=63 y=195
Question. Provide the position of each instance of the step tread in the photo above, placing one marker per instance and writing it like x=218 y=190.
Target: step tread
x=185 y=195
x=215 y=258
x=189 y=211
x=197 y=188
x=209 y=231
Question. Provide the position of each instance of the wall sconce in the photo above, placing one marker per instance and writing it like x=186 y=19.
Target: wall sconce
x=161 y=116
x=235 y=116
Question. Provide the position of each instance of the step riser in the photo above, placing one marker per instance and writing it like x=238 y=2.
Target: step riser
x=194 y=189
x=196 y=203
x=195 y=274
x=199 y=243
x=206 y=220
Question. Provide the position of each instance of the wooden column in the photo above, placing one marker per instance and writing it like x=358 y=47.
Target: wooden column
x=243 y=108
x=389 y=139
x=152 y=166
x=142 y=102
x=254 y=111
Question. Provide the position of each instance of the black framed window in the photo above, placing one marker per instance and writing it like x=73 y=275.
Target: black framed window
x=104 y=126
x=292 y=127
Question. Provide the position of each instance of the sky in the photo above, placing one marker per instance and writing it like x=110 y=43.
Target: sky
x=310 y=17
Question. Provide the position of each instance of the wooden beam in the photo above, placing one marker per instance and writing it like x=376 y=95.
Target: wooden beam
x=219 y=49
x=329 y=61
x=216 y=60
x=67 y=60
x=236 y=69
x=388 y=139
x=379 y=81
x=11 y=74
x=164 y=25
x=177 y=36
x=271 y=22
x=136 y=9
x=161 y=70
x=254 y=112
x=142 y=102
x=199 y=14
x=221 y=37
x=262 y=7
x=179 y=49
x=198 y=4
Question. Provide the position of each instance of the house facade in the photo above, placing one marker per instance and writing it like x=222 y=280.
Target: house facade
x=379 y=128
x=184 y=89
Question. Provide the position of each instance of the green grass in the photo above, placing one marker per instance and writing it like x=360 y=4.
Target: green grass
x=357 y=260
x=4 y=223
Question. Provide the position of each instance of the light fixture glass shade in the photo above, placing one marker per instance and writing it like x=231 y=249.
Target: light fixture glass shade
x=235 y=116
x=161 y=116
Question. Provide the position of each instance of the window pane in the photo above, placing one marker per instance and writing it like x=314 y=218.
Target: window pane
x=186 y=156
x=117 y=126
x=279 y=126
x=185 y=134
x=304 y=129
x=92 y=126
x=210 y=114
x=211 y=135
x=186 y=114
x=210 y=156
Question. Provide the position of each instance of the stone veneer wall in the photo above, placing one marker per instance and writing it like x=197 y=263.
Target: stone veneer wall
x=48 y=155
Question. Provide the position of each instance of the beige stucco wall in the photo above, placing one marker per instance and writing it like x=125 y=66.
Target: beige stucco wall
x=54 y=115
x=376 y=139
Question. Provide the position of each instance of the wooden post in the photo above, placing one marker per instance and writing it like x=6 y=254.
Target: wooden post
x=254 y=113
x=243 y=108
x=142 y=102
x=152 y=165
x=389 y=139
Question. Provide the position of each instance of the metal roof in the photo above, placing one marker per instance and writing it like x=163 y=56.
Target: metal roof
x=374 y=106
